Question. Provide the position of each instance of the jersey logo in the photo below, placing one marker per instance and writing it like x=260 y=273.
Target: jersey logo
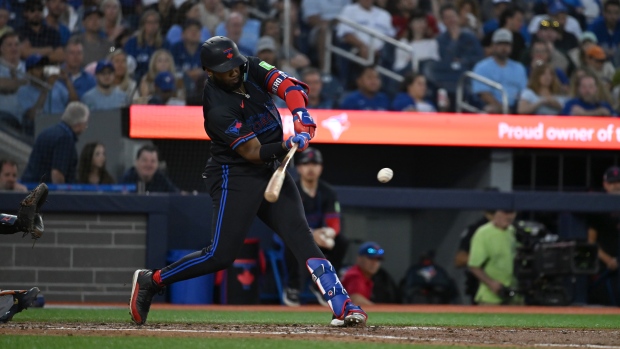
x=242 y=103
x=266 y=65
x=234 y=128
x=228 y=53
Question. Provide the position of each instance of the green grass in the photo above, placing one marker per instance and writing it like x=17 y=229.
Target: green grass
x=313 y=318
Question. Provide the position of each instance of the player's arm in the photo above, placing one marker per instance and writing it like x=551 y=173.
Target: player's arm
x=609 y=261
x=461 y=258
x=257 y=153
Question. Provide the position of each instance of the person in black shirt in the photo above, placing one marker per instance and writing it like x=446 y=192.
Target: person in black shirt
x=322 y=212
x=603 y=230
x=146 y=174
x=247 y=143
x=37 y=37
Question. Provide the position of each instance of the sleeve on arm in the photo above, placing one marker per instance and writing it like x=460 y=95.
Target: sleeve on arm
x=477 y=253
x=61 y=157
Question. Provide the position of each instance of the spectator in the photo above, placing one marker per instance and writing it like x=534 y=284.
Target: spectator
x=458 y=49
x=164 y=89
x=413 y=96
x=37 y=37
x=96 y=47
x=74 y=61
x=401 y=11
x=112 y=24
x=8 y=177
x=368 y=95
x=266 y=50
x=5 y=15
x=491 y=259
x=146 y=174
x=543 y=95
x=234 y=29
x=587 y=99
x=322 y=212
x=607 y=28
x=105 y=95
x=541 y=54
x=462 y=255
x=422 y=45
x=91 y=167
x=317 y=99
x=186 y=55
x=167 y=11
x=492 y=24
x=36 y=97
x=55 y=10
x=147 y=40
x=212 y=13
x=503 y=70
x=161 y=61
x=250 y=28
x=567 y=40
x=578 y=54
x=122 y=79
x=296 y=60
x=548 y=33
x=54 y=157
x=189 y=10
x=358 y=279
x=512 y=20
x=596 y=60
x=12 y=72
x=603 y=231
x=558 y=13
x=469 y=16
x=372 y=17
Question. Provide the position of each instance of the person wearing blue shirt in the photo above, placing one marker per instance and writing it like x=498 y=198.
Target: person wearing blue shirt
x=34 y=98
x=587 y=101
x=251 y=27
x=413 y=97
x=55 y=9
x=146 y=174
x=459 y=49
x=74 y=60
x=607 y=27
x=54 y=157
x=367 y=96
x=501 y=69
x=186 y=55
x=146 y=41
x=105 y=95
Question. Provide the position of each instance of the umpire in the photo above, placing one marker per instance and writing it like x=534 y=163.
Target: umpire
x=246 y=145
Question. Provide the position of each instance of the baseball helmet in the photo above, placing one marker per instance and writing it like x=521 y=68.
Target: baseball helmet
x=220 y=54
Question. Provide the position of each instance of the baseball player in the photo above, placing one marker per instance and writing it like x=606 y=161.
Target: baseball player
x=246 y=144
x=27 y=221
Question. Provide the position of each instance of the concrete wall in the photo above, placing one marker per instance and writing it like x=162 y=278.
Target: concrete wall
x=81 y=257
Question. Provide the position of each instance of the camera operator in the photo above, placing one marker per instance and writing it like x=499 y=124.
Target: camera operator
x=491 y=260
x=603 y=230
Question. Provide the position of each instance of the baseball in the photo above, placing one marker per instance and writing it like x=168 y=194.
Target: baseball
x=385 y=175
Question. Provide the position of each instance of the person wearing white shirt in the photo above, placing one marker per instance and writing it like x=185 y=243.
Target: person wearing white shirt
x=423 y=47
x=372 y=17
x=319 y=15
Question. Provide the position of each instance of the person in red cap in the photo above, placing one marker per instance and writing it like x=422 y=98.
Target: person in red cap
x=603 y=230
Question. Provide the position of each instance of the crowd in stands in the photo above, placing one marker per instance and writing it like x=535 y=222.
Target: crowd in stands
x=552 y=57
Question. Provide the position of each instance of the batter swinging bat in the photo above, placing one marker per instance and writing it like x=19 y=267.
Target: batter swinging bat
x=272 y=193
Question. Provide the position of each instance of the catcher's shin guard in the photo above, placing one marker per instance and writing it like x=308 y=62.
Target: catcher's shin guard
x=324 y=275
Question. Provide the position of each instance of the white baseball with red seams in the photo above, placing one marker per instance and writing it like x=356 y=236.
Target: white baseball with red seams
x=385 y=175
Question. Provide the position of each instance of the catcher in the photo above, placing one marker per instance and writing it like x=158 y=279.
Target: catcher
x=27 y=221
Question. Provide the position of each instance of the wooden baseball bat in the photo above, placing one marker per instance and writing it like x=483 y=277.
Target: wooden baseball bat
x=272 y=193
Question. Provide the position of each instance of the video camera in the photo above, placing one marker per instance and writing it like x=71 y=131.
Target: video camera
x=546 y=266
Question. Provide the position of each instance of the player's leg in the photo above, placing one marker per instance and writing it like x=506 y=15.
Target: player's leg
x=236 y=196
x=14 y=301
x=286 y=218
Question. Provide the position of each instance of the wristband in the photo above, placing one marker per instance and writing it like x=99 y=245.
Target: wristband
x=271 y=151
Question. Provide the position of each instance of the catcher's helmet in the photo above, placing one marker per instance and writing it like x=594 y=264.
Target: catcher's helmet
x=220 y=54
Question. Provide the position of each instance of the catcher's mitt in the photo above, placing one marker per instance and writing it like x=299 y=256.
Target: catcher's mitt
x=28 y=217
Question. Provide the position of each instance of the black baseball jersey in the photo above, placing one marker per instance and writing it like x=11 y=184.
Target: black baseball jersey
x=231 y=119
x=321 y=207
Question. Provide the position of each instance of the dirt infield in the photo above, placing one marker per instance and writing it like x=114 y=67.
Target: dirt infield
x=522 y=337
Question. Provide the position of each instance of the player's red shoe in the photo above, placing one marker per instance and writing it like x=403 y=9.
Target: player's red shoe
x=142 y=291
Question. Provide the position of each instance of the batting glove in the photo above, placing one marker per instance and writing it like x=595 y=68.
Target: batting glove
x=303 y=122
x=302 y=139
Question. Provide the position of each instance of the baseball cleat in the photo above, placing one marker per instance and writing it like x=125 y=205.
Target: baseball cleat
x=355 y=316
x=142 y=291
